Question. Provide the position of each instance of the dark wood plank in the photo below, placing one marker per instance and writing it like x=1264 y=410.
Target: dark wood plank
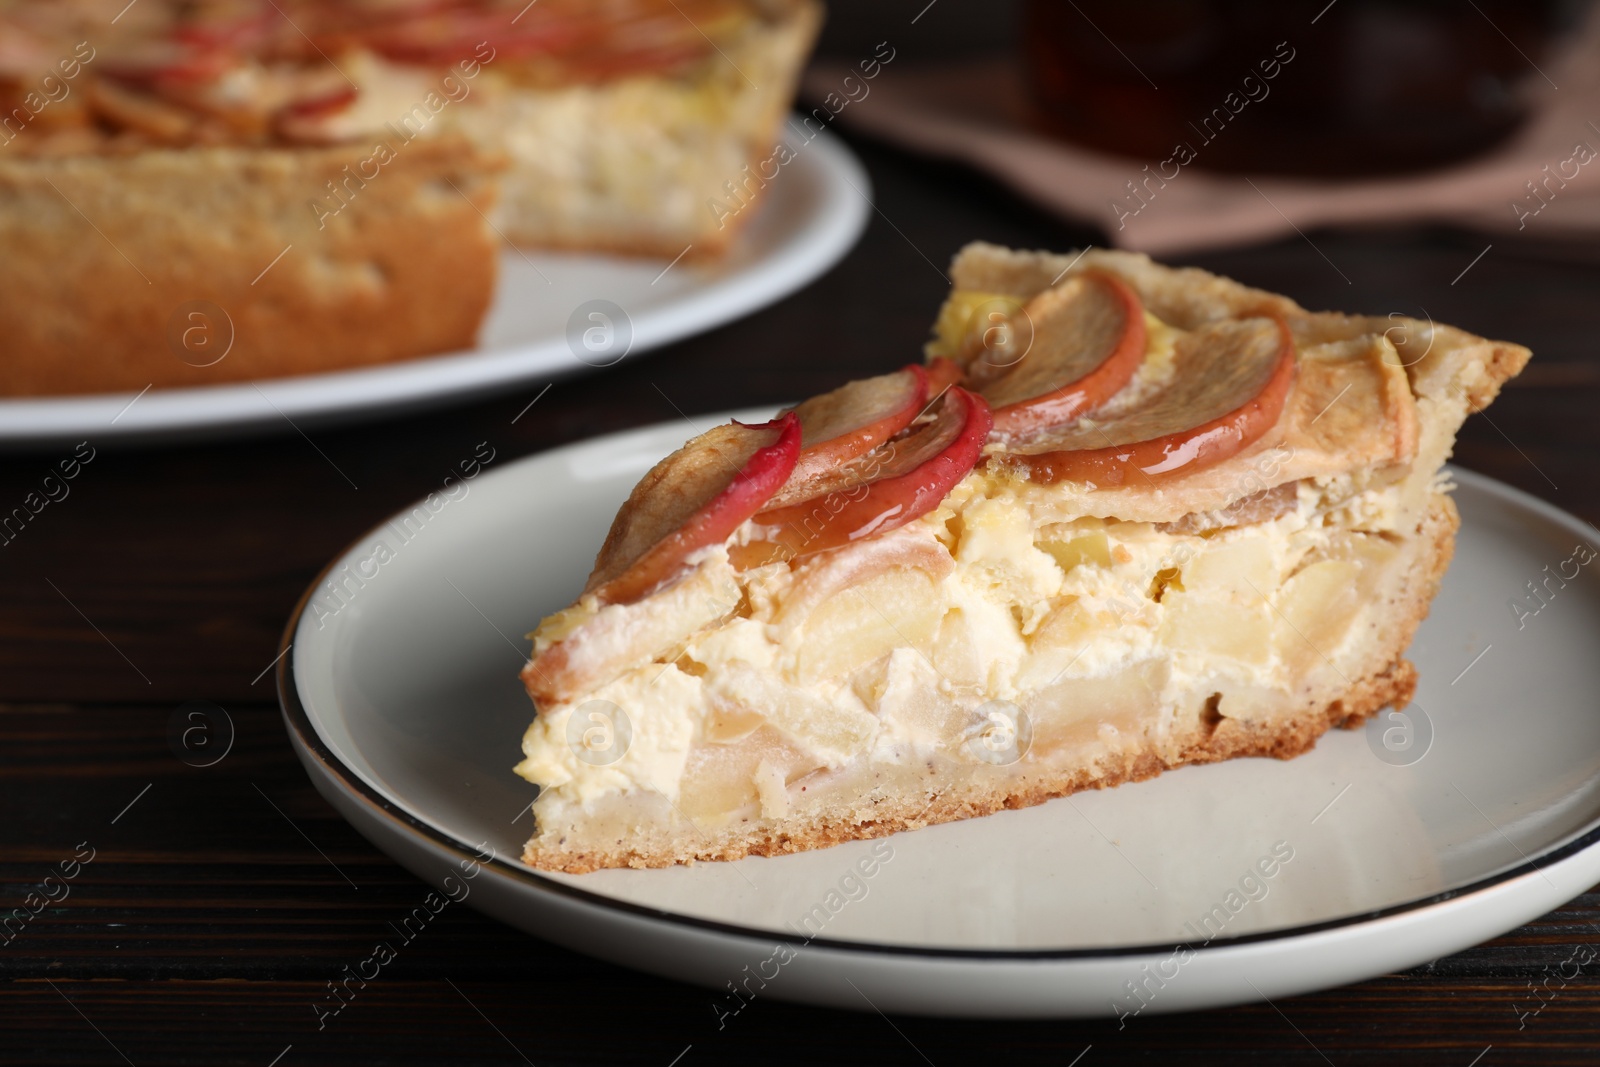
x=400 y=1019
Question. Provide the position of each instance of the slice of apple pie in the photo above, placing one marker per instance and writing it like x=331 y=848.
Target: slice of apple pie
x=1124 y=518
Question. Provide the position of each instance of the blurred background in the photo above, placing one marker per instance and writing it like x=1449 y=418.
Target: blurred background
x=1125 y=116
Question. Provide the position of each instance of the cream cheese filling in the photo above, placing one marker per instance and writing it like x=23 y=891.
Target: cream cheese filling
x=893 y=666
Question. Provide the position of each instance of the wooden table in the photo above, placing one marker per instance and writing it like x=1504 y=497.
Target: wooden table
x=212 y=916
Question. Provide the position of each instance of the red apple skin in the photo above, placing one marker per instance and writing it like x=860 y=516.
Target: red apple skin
x=819 y=456
x=887 y=502
x=313 y=120
x=1079 y=397
x=942 y=374
x=332 y=101
x=585 y=40
x=757 y=480
x=440 y=40
x=170 y=64
x=1182 y=452
x=242 y=31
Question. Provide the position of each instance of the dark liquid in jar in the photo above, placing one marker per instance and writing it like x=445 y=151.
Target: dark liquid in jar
x=1370 y=87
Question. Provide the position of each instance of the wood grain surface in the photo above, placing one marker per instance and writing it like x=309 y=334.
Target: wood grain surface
x=221 y=900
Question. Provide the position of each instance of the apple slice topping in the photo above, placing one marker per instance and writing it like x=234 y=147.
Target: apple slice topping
x=854 y=419
x=880 y=491
x=942 y=374
x=595 y=41
x=1233 y=378
x=161 y=62
x=694 y=498
x=443 y=37
x=1088 y=340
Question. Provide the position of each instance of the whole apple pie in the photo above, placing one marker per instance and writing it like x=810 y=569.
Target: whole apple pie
x=205 y=191
x=1124 y=518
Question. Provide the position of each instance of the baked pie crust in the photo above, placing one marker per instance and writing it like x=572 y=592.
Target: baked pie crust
x=1029 y=633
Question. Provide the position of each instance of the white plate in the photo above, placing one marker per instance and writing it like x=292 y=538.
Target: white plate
x=404 y=705
x=812 y=215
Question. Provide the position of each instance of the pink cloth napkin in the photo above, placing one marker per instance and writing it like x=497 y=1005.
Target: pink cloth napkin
x=976 y=112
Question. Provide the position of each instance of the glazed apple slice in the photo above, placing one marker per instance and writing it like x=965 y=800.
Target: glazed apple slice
x=879 y=407
x=593 y=43
x=857 y=417
x=888 y=487
x=1233 y=378
x=444 y=37
x=694 y=498
x=1088 y=340
x=308 y=119
x=163 y=63
x=942 y=374
x=239 y=27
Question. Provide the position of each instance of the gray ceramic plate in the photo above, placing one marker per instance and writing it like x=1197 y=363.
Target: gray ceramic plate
x=1467 y=814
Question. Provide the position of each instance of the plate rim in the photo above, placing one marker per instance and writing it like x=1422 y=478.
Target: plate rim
x=309 y=743
x=212 y=411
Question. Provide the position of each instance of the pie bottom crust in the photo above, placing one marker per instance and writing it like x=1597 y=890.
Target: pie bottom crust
x=1373 y=674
